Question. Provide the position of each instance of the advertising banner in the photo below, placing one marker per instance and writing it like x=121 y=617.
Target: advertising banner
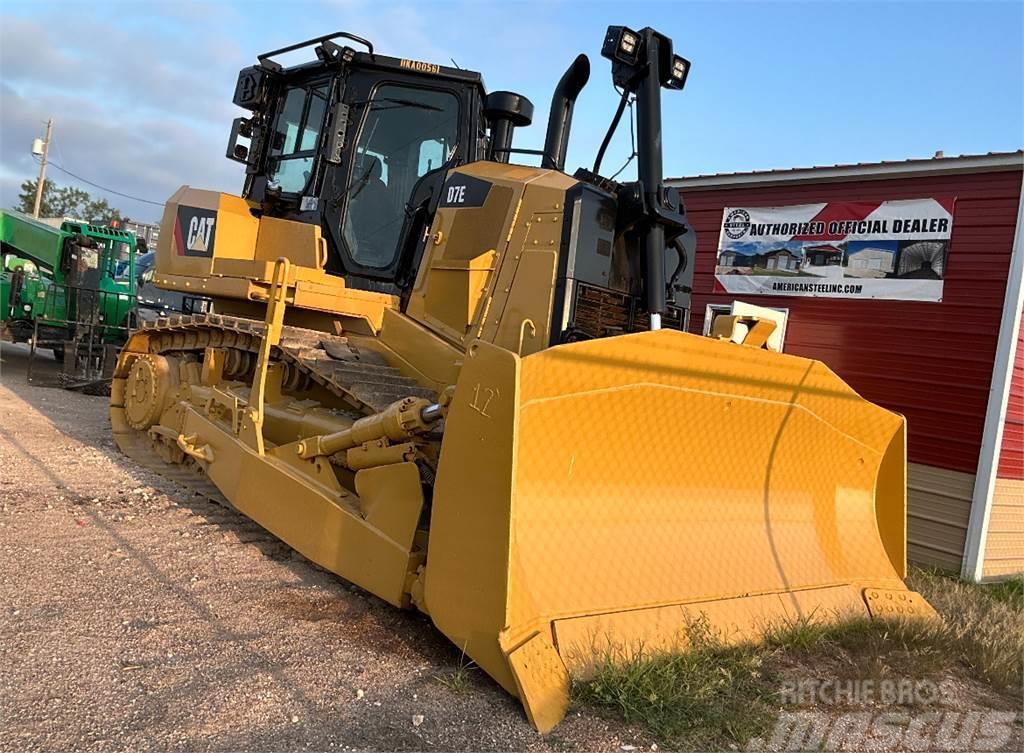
x=894 y=249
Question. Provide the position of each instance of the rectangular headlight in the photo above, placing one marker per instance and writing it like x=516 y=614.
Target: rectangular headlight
x=677 y=73
x=621 y=43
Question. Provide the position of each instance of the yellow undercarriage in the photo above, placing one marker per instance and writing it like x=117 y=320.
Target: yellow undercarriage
x=546 y=510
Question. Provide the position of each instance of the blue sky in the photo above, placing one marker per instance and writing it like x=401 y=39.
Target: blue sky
x=749 y=248
x=141 y=92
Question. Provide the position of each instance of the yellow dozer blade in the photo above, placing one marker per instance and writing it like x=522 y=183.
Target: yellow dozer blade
x=600 y=496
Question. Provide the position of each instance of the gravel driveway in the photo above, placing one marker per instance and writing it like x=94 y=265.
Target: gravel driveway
x=136 y=616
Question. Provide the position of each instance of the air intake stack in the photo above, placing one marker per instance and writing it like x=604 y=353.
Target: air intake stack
x=505 y=111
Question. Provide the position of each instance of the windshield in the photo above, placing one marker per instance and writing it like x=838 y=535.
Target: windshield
x=89 y=258
x=295 y=137
x=406 y=133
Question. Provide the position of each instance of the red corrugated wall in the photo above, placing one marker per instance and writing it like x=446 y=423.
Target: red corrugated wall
x=1011 y=455
x=931 y=362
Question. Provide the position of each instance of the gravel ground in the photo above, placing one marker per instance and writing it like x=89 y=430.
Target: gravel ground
x=134 y=616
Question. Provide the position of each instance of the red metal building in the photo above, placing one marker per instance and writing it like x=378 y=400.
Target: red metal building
x=952 y=367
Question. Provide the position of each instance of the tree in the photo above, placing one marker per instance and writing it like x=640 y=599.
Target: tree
x=27 y=198
x=66 y=201
x=98 y=210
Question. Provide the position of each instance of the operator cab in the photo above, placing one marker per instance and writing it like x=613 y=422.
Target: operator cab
x=93 y=253
x=360 y=144
x=409 y=122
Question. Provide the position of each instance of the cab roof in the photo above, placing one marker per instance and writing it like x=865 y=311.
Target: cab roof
x=329 y=52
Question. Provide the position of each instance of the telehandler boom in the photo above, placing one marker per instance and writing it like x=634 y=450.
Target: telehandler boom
x=464 y=385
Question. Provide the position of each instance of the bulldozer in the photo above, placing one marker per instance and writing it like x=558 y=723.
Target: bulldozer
x=465 y=385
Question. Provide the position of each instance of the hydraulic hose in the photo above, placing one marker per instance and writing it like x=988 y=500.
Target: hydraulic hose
x=611 y=131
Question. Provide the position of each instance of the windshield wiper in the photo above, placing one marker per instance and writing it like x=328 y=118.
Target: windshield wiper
x=401 y=102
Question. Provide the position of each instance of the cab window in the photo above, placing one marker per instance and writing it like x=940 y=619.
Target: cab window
x=121 y=257
x=406 y=132
x=89 y=258
x=295 y=137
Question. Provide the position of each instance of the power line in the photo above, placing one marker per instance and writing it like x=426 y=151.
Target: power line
x=103 y=188
x=53 y=140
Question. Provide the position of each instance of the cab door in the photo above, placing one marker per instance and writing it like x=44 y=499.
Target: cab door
x=400 y=131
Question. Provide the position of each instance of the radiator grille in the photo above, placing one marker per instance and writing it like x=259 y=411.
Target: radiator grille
x=671 y=319
x=599 y=312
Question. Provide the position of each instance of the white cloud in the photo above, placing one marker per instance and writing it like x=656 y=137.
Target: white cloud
x=141 y=98
x=139 y=113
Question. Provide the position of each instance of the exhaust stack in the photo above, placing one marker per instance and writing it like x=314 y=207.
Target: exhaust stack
x=560 y=117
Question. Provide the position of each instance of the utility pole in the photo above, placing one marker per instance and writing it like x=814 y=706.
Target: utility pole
x=42 y=168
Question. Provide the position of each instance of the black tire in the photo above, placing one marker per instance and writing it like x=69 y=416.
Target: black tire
x=58 y=354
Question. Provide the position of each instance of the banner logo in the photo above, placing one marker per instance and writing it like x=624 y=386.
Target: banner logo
x=736 y=224
x=891 y=249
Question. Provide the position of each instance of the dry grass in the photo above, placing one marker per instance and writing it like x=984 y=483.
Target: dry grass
x=982 y=625
x=703 y=698
x=713 y=695
x=459 y=679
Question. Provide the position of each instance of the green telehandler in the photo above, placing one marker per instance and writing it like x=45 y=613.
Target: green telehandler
x=69 y=289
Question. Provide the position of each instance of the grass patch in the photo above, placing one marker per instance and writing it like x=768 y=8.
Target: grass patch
x=1008 y=591
x=765 y=272
x=713 y=695
x=460 y=678
x=982 y=624
x=704 y=698
x=860 y=648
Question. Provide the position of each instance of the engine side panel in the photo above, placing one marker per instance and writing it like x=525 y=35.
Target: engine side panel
x=488 y=272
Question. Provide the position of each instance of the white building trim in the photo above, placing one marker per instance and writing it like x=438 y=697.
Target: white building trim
x=995 y=415
x=868 y=171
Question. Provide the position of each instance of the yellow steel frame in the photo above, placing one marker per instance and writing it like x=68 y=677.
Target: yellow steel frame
x=591 y=498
